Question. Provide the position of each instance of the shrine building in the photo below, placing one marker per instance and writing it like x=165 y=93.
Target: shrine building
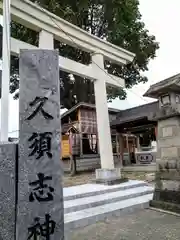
x=133 y=136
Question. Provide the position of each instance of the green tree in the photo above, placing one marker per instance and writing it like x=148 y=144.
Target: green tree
x=118 y=21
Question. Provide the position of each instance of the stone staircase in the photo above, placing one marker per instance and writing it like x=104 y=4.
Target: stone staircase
x=86 y=204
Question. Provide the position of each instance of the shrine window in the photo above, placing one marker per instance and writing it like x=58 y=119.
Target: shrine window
x=165 y=100
x=90 y=144
x=177 y=99
x=114 y=143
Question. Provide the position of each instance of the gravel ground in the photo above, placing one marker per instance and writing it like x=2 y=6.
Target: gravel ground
x=87 y=177
x=80 y=178
x=142 y=225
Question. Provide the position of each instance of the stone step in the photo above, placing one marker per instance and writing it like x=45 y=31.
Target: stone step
x=92 y=215
x=110 y=197
x=87 y=190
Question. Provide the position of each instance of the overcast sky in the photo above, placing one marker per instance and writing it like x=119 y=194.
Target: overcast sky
x=162 y=19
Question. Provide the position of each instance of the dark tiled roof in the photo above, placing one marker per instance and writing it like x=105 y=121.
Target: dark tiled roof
x=136 y=113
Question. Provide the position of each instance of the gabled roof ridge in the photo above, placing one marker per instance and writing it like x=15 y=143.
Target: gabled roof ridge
x=80 y=104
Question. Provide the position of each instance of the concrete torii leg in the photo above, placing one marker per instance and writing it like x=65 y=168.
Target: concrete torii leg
x=46 y=40
x=5 y=72
x=108 y=174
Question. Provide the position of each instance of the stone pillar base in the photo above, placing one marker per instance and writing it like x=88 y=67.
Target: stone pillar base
x=109 y=176
x=168 y=200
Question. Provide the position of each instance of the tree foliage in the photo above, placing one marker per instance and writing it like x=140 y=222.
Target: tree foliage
x=117 y=21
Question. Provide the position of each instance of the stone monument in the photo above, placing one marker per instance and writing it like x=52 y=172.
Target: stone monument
x=8 y=157
x=167 y=187
x=40 y=198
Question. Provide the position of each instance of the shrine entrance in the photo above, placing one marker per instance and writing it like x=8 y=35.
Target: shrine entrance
x=138 y=145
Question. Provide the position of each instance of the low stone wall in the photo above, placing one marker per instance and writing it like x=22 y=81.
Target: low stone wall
x=93 y=162
x=140 y=168
x=88 y=162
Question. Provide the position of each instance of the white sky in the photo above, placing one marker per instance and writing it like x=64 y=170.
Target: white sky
x=162 y=19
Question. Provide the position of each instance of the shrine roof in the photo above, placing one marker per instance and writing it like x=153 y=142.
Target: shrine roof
x=138 y=113
x=87 y=106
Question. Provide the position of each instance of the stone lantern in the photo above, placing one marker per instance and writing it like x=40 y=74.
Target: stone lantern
x=167 y=182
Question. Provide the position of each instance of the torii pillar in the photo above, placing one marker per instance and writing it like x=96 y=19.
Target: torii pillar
x=108 y=174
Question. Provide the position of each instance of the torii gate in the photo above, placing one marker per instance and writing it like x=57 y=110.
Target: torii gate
x=51 y=27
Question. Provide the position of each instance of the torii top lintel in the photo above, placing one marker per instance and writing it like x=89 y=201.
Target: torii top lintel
x=37 y=18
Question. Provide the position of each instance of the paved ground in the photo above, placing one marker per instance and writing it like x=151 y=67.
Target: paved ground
x=143 y=225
